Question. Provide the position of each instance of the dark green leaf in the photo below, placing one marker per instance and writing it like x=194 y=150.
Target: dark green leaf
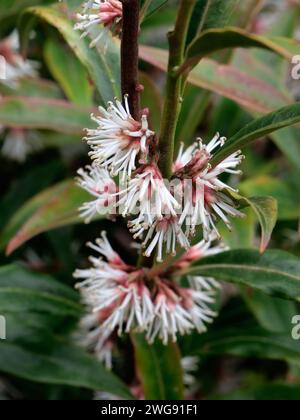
x=52 y=208
x=159 y=369
x=274 y=272
x=247 y=90
x=69 y=72
x=29 y=86
x=273 y=314
x=266 y=210
x=249 y=342
x=210 y=14
x=260 y=127
x=219 y=39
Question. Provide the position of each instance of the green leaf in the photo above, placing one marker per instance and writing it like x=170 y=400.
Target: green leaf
x=266 y=210
x=50 y=209
x=149 y=7
x=69 y=72
x=249 y=342
x=33 y=350
x=245 y=12
x=210 y=14
x=36 y=179
x=60 y=364
x=274 y=272
x=192 y=111
x=29 y=86
x=9 y=8
x=287 y=140
x=103 y=66
x=152 y=99
x=40 y=113
x=273 y=314
x=270 y=392
x=159 y=369
x=219 y=39
x=20 y=278
x=19 y=294
x=260 y=127
x=250 y=92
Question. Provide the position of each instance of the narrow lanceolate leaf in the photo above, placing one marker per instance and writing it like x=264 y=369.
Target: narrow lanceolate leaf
x=274 y=272
x=33 y=349
x=260 y=127
x=250 y=92
x=69 y=72
x=249 y=342
x=149 y=7
x=52 y=208
x=159 y=369
x=103 y=64
x=60 y=364
x=40 y=113
x=19 y=277
x=266 y=210
x=219 y=39
x=23 y=291
x=210 y=14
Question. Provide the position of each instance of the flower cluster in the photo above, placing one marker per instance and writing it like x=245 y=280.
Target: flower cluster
x=121 y=298
x=101 y=15
x=163 y=216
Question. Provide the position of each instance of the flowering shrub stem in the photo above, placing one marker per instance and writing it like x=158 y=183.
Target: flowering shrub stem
x=177 y=42
x=130 y=55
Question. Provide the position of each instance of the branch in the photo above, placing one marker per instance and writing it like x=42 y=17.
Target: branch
x=177 y=42
x=130 y=55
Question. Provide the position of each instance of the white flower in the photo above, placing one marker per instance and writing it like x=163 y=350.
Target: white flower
x=19 y=143
x=147 y=193
x=119 y=139
x=184 y=156
x=204 y=193
x=101 y=186
x=165 y=232
x=180 y=311
x=107 y=13
x=115 y=291
x=94 y=338
x=201 y=250
x=189 y=366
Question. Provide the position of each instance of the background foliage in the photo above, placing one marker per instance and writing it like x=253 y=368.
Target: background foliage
x=248 y=353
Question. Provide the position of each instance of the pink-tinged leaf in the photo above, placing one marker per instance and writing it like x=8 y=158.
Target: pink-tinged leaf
x=250 y=92
x=40 y=113
x=52 y=208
